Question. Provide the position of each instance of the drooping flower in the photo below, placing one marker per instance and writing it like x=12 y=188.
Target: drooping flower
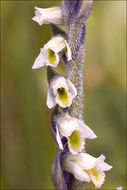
x=61 y=91
x=50 y=53
x=87 y=168
x=74 y=130
x=48 y=15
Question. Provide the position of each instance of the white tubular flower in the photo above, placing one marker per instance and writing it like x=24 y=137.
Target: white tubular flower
x=87 y=168
x=61 y=91
x=49 y=54
x=75 y=131
x=48 y=15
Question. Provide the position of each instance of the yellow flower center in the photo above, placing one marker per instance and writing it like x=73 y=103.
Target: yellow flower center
x=62 y=95
x=74 y=139
x=95 y=173
x=51 y=56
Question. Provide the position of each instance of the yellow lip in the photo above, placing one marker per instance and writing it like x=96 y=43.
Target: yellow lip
x=51 y=56
x=63 y=97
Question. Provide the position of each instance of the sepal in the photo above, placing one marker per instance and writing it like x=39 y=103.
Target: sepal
x=54 y=113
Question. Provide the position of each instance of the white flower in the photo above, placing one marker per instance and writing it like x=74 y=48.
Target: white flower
x=119 y=188
x=61 y=91
x=87 y=168
x=49 y=54
x=48 y=15
x=75 y=131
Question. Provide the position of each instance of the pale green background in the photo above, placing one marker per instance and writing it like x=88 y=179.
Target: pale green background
x=27 y=147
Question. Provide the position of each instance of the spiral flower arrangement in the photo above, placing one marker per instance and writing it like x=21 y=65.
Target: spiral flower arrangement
x=72 y=164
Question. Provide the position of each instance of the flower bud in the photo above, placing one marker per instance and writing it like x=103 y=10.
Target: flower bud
x=48 y=15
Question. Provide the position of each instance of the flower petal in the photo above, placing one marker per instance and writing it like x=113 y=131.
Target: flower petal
x=87 y=132
x=58 y=82
x=101 y=165
x=84 y=160
x=66 y=125
x=41 y=60
x=97 y=177
x=39 y=16
x=58 y=138
x=76 y=171
x=35 y=18
x=57 y=44
x=72 y=88
x=50 y=99
x=54 y=17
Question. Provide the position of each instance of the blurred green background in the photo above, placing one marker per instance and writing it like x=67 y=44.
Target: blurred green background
x=27 y=147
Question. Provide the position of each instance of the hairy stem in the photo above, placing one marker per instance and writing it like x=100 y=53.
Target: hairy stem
x=75 y=66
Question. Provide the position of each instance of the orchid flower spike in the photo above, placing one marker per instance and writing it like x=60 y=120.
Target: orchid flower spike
x=48 y=15
x=49 y=54
x=61 y=92
x=87 y=168
x=74 y=130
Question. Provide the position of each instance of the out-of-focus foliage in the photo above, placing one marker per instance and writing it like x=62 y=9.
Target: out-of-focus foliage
x=27 y=147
